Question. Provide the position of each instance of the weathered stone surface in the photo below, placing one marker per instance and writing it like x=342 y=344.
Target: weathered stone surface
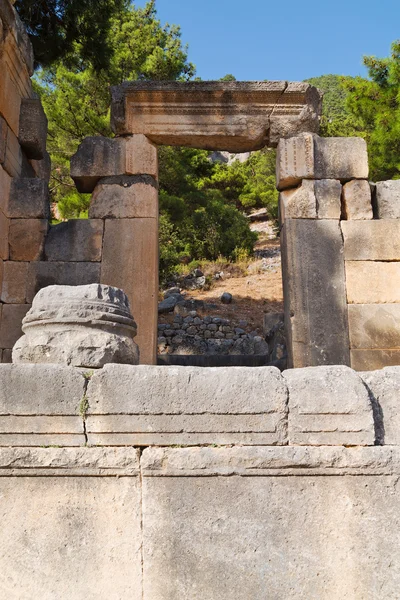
x=233 y=116
x=329 y=406
x=371 y=240
x=168 y=304
x=82 y=540
x=374 y=325
x=370 y=360
x=226 y=298
x=33 y=128
x=328 y=193
x=99 y=157
x=130 y=262
x=26 y=239
x=141 y=156
x=28 y=199
x=40 y=390
x=17 y=36
x=4 y=230
x=13 y=160
x=3 y=139
x=84 y=326
x=357 y=203
x=372 y=282
x=13 y=290
x=95 y=158
x=11 y=323
x=186 y=405
x=384 y=385
x=76 y=240
x=125 y=198
x=42 y=168
x=328 y=536
x=42 y=274
x=388 y=199
x=298 y=203
x=314 y=292
x=312 y=157
x=10 y=100
x=5 y=185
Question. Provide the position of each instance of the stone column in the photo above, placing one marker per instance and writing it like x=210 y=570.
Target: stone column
x=311 y=172
x=123 y=175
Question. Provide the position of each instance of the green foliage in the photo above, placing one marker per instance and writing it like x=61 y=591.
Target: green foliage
x=77 y=100
x=337 y=120
x=54 y=26
x=376 y=103
x=228 y=77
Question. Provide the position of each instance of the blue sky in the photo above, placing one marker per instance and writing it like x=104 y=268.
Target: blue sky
x=291 y=39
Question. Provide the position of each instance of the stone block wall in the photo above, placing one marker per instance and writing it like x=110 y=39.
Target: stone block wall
x=340 y=255
x=199 y=483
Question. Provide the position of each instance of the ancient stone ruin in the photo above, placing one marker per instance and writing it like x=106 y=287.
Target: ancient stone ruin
x=146 y=482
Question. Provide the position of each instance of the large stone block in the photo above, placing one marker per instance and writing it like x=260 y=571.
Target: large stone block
x=26 y=238
x=311 y=157
x=17 y=34
x=29 y=199
x=13 y=290
x=42 y=274
x=130 y=262
x=76 y=240
x=372 y=282
x=235 y=116
x=13 y=160
x=80 y=537
x=5 y=186
x=33 y=128
x=329 y=406
x=328 y=194
x=125 y=197
x=307 y=537
x=388 y=199
x=184 y=405
x=4 y=232
x=10 y=100
x=42 y=168
x=99 y=157
x=371 y=240
x=374 y=325
x=384 y=386
x=298 y=203
x=357 y=202
x=371 y=360
x=11 y=323
x=314 y=291
x=3 y=139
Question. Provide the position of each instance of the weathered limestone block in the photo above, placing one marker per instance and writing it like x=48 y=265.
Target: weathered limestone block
x=357 y=202
x=233 y=116
x=298 y=203
x=312 y=157
x=372 y=282
x=125 y=197
x=80 y=537
x=29 y=199
x=5 y=186
x=186 y=405
x=329 y=406
x=42 y=168
x=324 y=531
x=371 y=240
x=16 y=35
x=33 y=128
x=373 y=359
x=130 y=262
x=13 y=160
x=11 y=323
x=13 y=290
x=84 y=326
x=388 y=199
x=314 y=291
x=6 y=356
x=4 y=231
x=328 y=194
x=384 y=385
x=3 y=139
x=10 y=100
x=76 y=240
x=99 y=157
x=374 y=325
x=41 y=274
x=26 y=239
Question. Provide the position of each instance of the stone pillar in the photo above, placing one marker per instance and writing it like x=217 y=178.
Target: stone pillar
x=322 y=181
x=123 y=175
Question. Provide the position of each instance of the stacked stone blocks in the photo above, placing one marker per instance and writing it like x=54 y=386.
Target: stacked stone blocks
x=340 y=255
